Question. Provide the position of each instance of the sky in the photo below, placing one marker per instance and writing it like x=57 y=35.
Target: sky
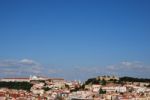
x=74 y=39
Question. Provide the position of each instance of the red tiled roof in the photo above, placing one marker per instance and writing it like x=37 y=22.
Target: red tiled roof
x=2 y=95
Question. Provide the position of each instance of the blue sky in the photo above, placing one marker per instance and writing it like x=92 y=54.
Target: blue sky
x=68 y=34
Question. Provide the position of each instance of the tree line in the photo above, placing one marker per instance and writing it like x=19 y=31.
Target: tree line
x=16 y=85
x=131 y=79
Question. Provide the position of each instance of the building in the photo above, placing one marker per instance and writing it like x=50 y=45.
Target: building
x=107 y=78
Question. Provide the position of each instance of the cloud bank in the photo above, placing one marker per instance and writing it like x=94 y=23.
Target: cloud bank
x=26 y=67
x=135 y=68
x=23 y=67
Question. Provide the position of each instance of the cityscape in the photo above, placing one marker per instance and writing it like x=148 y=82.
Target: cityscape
x=74 y=49
x=98 y=88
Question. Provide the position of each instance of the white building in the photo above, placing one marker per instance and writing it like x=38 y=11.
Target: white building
x=96 y=87
x=37 y=78
x=38 y=85
x=38 y=91
x=115 y=88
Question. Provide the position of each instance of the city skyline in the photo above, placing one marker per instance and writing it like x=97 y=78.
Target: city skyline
x=74 y=39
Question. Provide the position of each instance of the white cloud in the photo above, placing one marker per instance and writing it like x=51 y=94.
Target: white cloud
x=20 y=67
x=135 y=68
x=5 y=63
x=126 y=63
x=125 y=68
x=27 y=62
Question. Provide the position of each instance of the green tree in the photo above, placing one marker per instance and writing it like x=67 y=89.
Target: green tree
x=101 y=91
x=16 y=85
x=46 y=88
x=103 y=82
